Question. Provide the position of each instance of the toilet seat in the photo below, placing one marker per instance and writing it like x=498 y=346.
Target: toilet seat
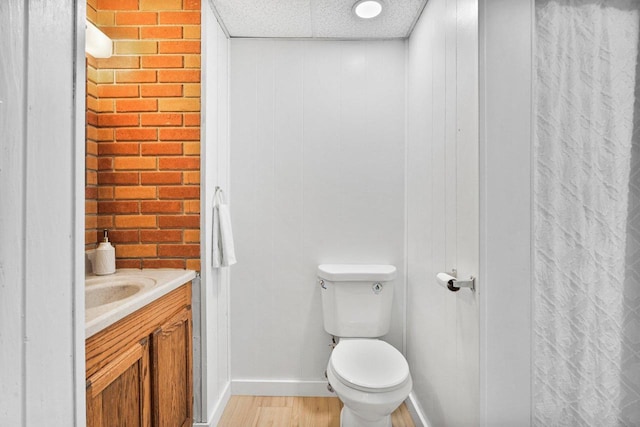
x=369 y=365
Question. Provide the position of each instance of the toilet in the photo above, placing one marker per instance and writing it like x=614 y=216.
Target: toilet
x=369 y=375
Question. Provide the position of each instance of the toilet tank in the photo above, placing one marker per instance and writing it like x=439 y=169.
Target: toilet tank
x=356 y=299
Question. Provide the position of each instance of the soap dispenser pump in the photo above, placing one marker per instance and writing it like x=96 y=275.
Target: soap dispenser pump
x=105 y=257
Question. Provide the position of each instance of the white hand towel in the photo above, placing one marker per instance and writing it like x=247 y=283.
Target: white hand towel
x=223 y=248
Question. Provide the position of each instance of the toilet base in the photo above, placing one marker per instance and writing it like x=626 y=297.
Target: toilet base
x=348 y=418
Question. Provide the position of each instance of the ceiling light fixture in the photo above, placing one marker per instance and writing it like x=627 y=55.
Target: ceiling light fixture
x=367 y=9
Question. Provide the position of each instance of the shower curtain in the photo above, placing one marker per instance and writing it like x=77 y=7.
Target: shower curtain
x=586 y=337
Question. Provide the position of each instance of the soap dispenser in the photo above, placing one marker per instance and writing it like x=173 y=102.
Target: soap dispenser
x=104 y=258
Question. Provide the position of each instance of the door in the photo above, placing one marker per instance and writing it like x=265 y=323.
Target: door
x=119 y=393
x=171 y=372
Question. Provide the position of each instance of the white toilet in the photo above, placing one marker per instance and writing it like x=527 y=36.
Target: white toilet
x=369 y=375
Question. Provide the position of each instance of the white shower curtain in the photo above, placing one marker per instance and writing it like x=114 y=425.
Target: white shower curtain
x=584 y=358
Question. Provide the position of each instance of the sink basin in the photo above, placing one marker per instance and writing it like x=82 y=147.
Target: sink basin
x=95 y=297
x=100 y=291
x=111 y=298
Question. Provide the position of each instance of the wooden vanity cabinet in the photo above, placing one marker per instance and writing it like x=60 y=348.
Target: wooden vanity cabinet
x=139 y=370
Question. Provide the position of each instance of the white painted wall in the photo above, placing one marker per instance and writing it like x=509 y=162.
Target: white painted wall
x=317 y=176
x=41 y=225
x=213 y=372
x=442 y=211
x=506 y=34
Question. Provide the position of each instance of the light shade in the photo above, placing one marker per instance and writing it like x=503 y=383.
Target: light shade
x=97 y=43
x=367 y=9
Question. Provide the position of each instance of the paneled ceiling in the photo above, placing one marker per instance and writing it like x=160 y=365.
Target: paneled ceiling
x=316 y=18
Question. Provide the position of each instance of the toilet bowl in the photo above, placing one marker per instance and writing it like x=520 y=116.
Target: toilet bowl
x=371 y=378
x=369 y=375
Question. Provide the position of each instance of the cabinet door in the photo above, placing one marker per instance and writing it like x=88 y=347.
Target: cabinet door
x=119 y=393
x=171 y=372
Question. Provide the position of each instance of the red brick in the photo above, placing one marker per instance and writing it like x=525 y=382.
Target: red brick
x=118 y=91
x=161 y=90
x=192 y=236
x=156 y=148
x=134 y=163
x=135 y=221
x=162 y=61
x=191 y=32
x=191 y=148
x=161 y=177
x=158 y=236
x=179 y=192
x=105 y=163
x=117 y=120
x=192 y=90
x=136 y=18
x=91 y=178
x=161 y=206
x=135 y=76
x=92 y=118
x=92 y=148
x=121 y=236
x=105 y=193
x=136 y=251
x=192 y=119
x=118 y=207
x=127 y=178
x=136 y=134
x=105 y=134
x=179 y=17
x=92 y=221
x=136 y=47
x=105 y=221
x=179 y=104
x=105 y=17
x=191 y=4
x=119 y=33
x=90 y=207
x=180 y=221
x=179 y=134
x=178 y=163
x=91 y=163
x=192 y=206
x=173 y=76
x=118 y=148
x=124 y=105
x=164 y=32
x=188 y=250
x=161 y=119
x=193 y=264
x=160 y=4
x=91 y=192
x=128 y=263
x=182 y=46
x=191 y=177
x=117 y=5
x=163 y=263
x=135 y=193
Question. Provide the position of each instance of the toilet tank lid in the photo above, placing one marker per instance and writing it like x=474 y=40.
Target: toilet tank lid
x=357 y=272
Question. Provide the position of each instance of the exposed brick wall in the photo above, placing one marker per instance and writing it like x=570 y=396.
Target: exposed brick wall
x=91 y=159
x=148 y=132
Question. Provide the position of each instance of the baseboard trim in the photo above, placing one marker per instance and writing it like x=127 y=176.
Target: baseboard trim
x=218 y=409
x=416 y=411
x=280 y=388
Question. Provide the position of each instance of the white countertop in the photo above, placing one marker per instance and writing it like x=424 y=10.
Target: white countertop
x=154 y=283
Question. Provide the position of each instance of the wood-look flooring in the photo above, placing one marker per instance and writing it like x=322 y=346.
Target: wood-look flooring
x=267 y=411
